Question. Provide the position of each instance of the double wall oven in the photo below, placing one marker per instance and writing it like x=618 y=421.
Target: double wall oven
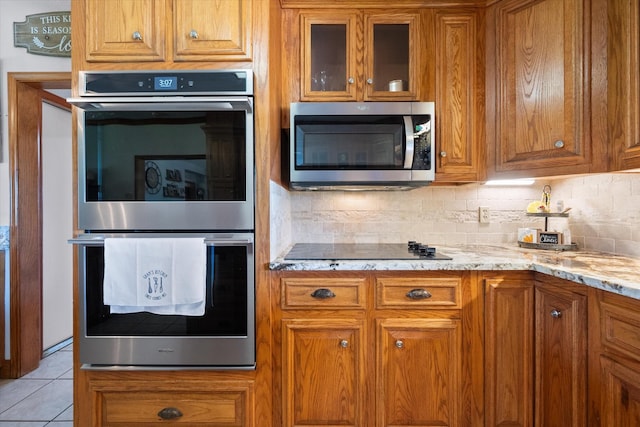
x=167 y=155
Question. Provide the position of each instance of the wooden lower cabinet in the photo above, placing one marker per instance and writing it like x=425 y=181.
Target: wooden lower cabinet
x=418 y=366
x=536 y=351
x=323 y=372
x=509 y=323
x=167 y=403
x=617 y=361
x=376 y=349
x=561 y=357
x=620 y=394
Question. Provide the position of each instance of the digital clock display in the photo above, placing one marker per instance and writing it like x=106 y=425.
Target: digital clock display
x=165 y=83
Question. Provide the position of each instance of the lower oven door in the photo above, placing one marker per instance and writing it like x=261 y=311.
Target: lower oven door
x=223 y=338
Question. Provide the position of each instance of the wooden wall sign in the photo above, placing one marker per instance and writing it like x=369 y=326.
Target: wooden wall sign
x=44 y=34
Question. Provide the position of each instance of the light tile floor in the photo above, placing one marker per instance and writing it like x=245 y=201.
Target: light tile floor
x=41 y=398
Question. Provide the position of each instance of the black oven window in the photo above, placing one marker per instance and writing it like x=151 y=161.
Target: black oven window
x=165 y=155
x=225 y=313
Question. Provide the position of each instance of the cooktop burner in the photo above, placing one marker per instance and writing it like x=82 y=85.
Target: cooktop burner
x=364 y=251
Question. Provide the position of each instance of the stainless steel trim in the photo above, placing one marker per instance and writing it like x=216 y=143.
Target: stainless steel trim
x=408 y=131
x=89 y=367
x=164 y=103
x=98 y=239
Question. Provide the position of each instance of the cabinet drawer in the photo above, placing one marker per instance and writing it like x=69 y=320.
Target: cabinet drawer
x=323 y=293
x=621 y=330
x=418 y=293
x=218 y=405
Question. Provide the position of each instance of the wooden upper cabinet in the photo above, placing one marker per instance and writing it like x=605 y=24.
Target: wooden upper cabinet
x=623 y=55
x=354 y=55
x=540 y=77
x=329 y=55
x=459 y=49
x=168 y=30
x=125 y=30
x=207 y=30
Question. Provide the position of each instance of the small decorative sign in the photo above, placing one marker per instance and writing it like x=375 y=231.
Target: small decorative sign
x=553 y=238
x=44 y=34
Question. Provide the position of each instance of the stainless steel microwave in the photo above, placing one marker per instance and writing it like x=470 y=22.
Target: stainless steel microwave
x=361 y=145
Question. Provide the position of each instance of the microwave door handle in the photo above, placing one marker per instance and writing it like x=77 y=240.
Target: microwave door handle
x=410 y=146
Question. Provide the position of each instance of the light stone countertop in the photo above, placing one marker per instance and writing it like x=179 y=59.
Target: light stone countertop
x=600 y=270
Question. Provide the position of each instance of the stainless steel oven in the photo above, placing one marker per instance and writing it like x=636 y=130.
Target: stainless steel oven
x=165 y=150
x=163 y=156
x=223 y=338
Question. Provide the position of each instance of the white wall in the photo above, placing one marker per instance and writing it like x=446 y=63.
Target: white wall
x=16 y=59
x=57 y=226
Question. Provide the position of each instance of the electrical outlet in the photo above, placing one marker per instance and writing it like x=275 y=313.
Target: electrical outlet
x=483 y=214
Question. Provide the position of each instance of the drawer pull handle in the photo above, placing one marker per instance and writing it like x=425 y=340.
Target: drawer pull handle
x=344 y=343
x=556 y=314
x=170 y=413
x=418 y=294
x=323 y=293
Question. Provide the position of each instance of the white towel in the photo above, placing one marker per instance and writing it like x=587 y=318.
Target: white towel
x=158 y=275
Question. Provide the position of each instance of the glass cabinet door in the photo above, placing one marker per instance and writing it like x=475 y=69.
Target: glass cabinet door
x=351 y=55
x=391 y=49
x=329 y=56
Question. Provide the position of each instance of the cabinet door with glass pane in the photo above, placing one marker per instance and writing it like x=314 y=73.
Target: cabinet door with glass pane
x=329 y=56
x=355 y=55
x=391 y=54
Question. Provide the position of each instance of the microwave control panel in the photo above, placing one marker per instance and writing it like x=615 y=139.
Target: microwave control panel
x=421 y=143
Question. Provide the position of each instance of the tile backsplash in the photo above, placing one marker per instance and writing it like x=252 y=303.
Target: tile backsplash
x=605 y=214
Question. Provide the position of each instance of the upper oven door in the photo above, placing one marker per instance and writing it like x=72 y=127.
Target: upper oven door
x=165 y=163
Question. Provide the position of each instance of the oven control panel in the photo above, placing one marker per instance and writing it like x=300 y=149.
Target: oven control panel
x=160 y=83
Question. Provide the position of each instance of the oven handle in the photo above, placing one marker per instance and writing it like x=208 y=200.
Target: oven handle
x=99 y=241
x=164 y=103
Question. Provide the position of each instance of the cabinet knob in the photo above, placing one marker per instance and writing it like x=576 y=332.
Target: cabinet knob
x=369 y=81
x=443 y=154
x=351 y=80
x=418 y=294
x=344 y=343
x=399 y=344
x=170 y=413
x=559 y=143
x=136 y=35
x=193 y=34
x=556 y=314
x=323 y=293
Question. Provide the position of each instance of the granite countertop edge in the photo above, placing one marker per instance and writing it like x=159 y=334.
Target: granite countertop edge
x=609 y=272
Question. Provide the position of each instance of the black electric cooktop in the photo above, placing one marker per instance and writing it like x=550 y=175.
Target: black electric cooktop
x=364 y=251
